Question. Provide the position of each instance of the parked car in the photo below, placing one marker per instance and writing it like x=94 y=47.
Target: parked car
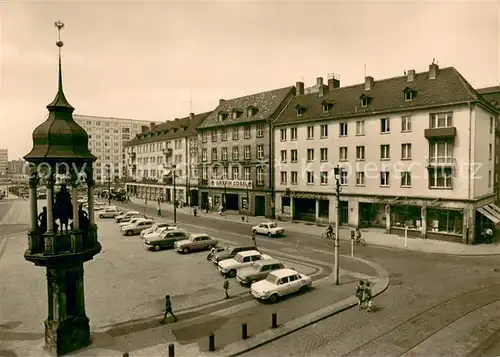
x=110 y=212
x=270 y=229
x=165 y=240
x=280 y=283
x=126 y=216
x=230 y=252
x=258 y=271
x=241 y=260
x=157 y=229
x=137 y=227
x=200 y=241
x=132 y=221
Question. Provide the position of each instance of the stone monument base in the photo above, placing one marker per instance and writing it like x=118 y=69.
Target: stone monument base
x=67 y=336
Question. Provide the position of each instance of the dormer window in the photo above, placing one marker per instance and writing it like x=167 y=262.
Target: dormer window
x=222 y=116
x=409 y=94
x=251 y=111
x=299 y=110
x=365 y=100
x=327 y=106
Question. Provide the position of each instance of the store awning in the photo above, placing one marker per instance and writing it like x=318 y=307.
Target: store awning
x=490 y=211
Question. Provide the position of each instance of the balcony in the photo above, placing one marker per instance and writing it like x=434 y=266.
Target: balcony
x=441 y=161
x=441 y=133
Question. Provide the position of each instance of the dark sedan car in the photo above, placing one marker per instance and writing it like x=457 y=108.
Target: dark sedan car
x=231 y=252
x=165 y=240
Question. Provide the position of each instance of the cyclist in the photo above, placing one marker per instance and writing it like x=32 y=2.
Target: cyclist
x=329 y=231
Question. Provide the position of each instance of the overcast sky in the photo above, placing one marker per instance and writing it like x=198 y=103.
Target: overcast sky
x=148 y=60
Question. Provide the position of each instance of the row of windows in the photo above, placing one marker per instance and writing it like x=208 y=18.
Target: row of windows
x=235 y=133
x=105 y=123
x=235 y=174
x=235 y=153
x=154 y=147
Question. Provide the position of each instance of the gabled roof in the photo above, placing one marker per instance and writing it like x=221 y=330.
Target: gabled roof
x=386 y=95
x=173 y=129
x=491 y=94
x=266 y=103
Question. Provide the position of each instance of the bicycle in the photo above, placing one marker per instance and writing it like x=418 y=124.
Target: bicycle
x=328 y=235
x=360 y=240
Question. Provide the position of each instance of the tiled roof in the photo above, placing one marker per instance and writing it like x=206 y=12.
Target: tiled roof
x=386 y=96
x=265 y=104
x=172 y=129
x=491 y=94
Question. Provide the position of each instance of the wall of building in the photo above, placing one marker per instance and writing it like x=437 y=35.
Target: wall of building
x=484 y=157
x=4 y=159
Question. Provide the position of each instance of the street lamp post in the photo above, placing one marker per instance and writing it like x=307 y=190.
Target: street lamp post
x=225 y=192
x=337 y=173
x=175 y=194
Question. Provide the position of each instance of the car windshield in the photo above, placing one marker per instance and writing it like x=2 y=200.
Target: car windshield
x=239 y=258
x=192 y=237
x=273 y=225
x=272 y=279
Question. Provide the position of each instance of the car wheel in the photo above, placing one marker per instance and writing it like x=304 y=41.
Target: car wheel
x=101 y=216
x=273 y=298
x=186 y=250
x=157 y=247
x=269 y=234
x=210 y=247
x=303 y=289
x=254 y=231
x=128 y=233
x=232 y=273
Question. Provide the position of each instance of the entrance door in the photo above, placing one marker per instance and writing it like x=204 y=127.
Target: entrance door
x=204 y=200
x=260 y=205
x=344 y=212
x=194 y=198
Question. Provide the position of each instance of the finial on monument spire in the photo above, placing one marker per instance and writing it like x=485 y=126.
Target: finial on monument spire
x=60 y=100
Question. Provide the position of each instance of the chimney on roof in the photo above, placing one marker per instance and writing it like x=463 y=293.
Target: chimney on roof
x=322 y=89
x=191 y=116
x=221 y=101
x=319 y=81
x=333 y=83
x=176 y=119
x=144 y=129
x=299 y=88
x=369 y=82
x=433 y=70
x=410 y=77
x=152 y=126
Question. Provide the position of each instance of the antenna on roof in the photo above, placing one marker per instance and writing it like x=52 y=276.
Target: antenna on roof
x=433 y=60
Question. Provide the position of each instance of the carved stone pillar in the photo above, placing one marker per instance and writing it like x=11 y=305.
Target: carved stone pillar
x=50 y=203
x=33 y=183
x=387 y=218
x=74 y=202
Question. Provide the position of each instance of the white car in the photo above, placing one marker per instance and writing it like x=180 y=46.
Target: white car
x=270 y=229
x=244 y=259
x=157 y=229
x=280 y=283
x=132 y=221
x=137 y=228
x=110 y=212
x=126 y=216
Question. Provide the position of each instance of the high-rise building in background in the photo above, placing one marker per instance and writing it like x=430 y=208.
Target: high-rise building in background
x=17 y=167
x=4 y=161
x=106 y=138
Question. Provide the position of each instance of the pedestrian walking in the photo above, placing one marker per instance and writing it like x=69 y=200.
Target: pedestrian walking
x=226 y=287
x=195 y=211
x=254 y=241
x=168 y=310
x=146 y=201
x=367 y=297
x=360 y=288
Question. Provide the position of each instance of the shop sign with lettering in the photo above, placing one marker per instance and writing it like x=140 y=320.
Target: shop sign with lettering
x=245 y=184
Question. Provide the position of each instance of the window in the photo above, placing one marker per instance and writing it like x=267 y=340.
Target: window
x=385 y=152
x=343 y=177
x=324 y=131
x=293 y=177
x=235 y=173
x=283 y=134
x=310 y=178
x=440 y=178
x=360 y=127
x=251 y=111
x=225 y=173
x=293 y=133
x=441 y=152
x=408 y=96
x=406 y=179
x=214 y=135
x=343 y=153
x=260 y=130
x=214 y=154
x=385 y=125
x=293 y=155
x=236 y=133
x=343 y=129
x=491 y=125
x=299 y=111
x=324 y=154
x=310 y=154
x=204 y=173
x=247 y=173
x=490 y=152
x=248 y=152
x=236 y=153
x=260 y=152
x=224 y=154
x=360 y=153
x=260 y=176
x=283 y=155
x=323 y=177
x=326 y=107
x=246 y=132
x=223 y=134
x=489 y=178
x=384 y=178
x=405 y=151
x=310 y=132
x=441 y=120
x=215 y=172
x=364 y=102
x=283 y=176
x=360 y=178
x=406 y=123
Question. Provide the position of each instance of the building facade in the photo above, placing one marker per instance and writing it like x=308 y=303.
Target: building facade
x=17 y=167
x=4 y=161
x=106 y=141
x=156 y=154
x=414 y=151
x=236 y=155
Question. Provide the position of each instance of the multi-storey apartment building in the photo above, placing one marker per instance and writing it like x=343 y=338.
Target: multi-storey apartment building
x=4 y=161
x=415 y=151
x=17 y=167
x=236 y=153
x=154 y=155
x=106 y=138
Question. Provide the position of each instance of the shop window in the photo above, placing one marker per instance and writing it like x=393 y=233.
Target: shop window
x=445 y=221
x=406 y=215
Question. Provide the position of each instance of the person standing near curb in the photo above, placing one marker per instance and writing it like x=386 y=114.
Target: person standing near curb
x=226 y=287
x=360 y=289
x=367 y=297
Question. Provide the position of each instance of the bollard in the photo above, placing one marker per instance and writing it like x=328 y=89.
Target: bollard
x=244 y=331
x=125 y=354
x=274 y=322
x=211 y=342
x=171 y=350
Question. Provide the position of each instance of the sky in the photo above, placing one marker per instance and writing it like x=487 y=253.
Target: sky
x=157 y=61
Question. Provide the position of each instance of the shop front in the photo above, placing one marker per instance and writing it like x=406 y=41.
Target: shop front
x=445 y=224
x=304 y=209
x=406 y=217
x=372 y=215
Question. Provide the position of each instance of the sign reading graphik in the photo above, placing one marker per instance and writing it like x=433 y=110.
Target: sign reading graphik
x=231 y=183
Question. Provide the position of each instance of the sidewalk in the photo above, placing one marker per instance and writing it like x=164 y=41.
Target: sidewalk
x=373 y=236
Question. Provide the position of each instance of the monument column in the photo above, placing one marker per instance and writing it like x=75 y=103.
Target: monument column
x=50 y=202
